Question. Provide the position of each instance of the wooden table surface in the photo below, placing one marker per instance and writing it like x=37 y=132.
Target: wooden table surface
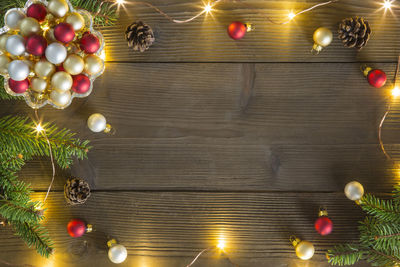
x=240 y=139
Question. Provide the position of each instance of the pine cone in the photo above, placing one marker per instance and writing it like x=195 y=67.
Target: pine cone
x=354 y=32
x=139 y=36
x=76 y=191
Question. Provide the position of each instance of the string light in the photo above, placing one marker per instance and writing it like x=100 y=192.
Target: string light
x=120 y=2
x=221 y=244
x=39 y=128
x=387 y=4
x=396 y=92
x=291 y=15
x=208 y=8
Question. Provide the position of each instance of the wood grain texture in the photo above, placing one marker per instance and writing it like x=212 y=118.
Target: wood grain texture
x=309 y=127
x=206 y=40
x=167 y=229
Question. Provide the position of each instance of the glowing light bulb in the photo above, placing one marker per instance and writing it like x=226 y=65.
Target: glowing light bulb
x=387 y=4
x=291 y=15
x=396 y=92
x=103 y=55
x=221 y=244
x=120 y=2
x=39 y=128
x=207 y=8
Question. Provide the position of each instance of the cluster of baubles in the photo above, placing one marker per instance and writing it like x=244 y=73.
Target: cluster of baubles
x=49 y=53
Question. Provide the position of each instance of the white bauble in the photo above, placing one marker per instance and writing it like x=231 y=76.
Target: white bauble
x=15 y=45
x=56 y=53
x=97 y=123
x=354 y=191
x=18 y=70
x=13 y=19
x=117 y=254
x=60 y=99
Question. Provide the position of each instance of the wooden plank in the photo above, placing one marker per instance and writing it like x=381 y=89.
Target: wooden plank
x=231 y=127
x=206 y=40
x=169 y=228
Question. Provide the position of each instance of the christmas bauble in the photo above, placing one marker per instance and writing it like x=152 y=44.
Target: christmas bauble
x=58 y=8
x=74 y=64
x=36 y=45
x=64 y=32
x=15 y=45
x=117 y=253
x=3 y=41
x=61 y=81
x=93 y=64
x=38 y=85
x=76 y=228
x=97 y=123
x=18 y=87
x=81 y=84
x=89 y=43
x=50 y=35
x=29 y=26
x=37 y=11
x=76 y=20
x=237 y=30
x=323 y=225
x=4 y=61
x=18 y=70
x=322 y=38
x=354 y=191
x=13 y=18
x=56 y=53
x=376 y=78
x=60 y=99
x=44 y=69
x=305 y=250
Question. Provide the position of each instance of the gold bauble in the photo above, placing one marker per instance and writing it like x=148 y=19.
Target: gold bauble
x=93 y=64
x=322 y=38
x=74 y=64
x=58 y=8
x=38 y=85
x=4 y=60
x=305 y=250
x=49 y=35
x=44 y=69
x=61 y=81
x=29 y=26
x=76 y=20
x=3 y=41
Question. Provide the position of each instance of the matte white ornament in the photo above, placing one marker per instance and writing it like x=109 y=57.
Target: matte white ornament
x=15 y=45
x=354 y=191
x=13 y=18
x=59 y=99
x=117 y=253
x=97 y=123
x=18 y=70
x=56 y=53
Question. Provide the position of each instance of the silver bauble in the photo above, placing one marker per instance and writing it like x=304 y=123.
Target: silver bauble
x=15 y=45
x=117 y=254
x=56 y=53
x=18 y=70
x=97 y=123
x=60 y=99
x=354 y=191
x=13 y=19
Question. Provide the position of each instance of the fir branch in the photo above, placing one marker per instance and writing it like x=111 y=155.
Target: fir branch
x=103 y=11
x=347 y=254
x=396 y=193
x=35 y=236
x=385 y=210
x=378 y=258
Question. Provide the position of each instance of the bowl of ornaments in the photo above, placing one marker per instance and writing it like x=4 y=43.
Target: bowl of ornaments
x=50 y=53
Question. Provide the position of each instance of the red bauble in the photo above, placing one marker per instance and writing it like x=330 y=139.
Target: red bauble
x=76 y=228
x=89 y=43
x=237 y=30
x=36 y=45
x=81 y=84
x=376 y=78
x=60 y=68
x=37 y=11
x=18 y=87
x=323 y=225
x=64 y=32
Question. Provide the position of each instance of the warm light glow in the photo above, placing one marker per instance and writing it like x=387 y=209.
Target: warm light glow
x=221 y=244
x=396 y=92
x=103 y=55
x=120 y=2
x=291 y=15
x=39 y=128
x=207 y=8
x=387 y=4
x=45 y=28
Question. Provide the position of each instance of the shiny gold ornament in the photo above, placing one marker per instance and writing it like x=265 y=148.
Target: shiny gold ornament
x=76 y=20
x=29 y=26
x=44 y=69
x=59 y=99
x=3 y=41
x=322 y=38
x=49 y=35
x=74 y=64
x=38 y=85
x=61 y=81
x=4 y=61
x=58 y=8
x=304 y=249
x=93 y=64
